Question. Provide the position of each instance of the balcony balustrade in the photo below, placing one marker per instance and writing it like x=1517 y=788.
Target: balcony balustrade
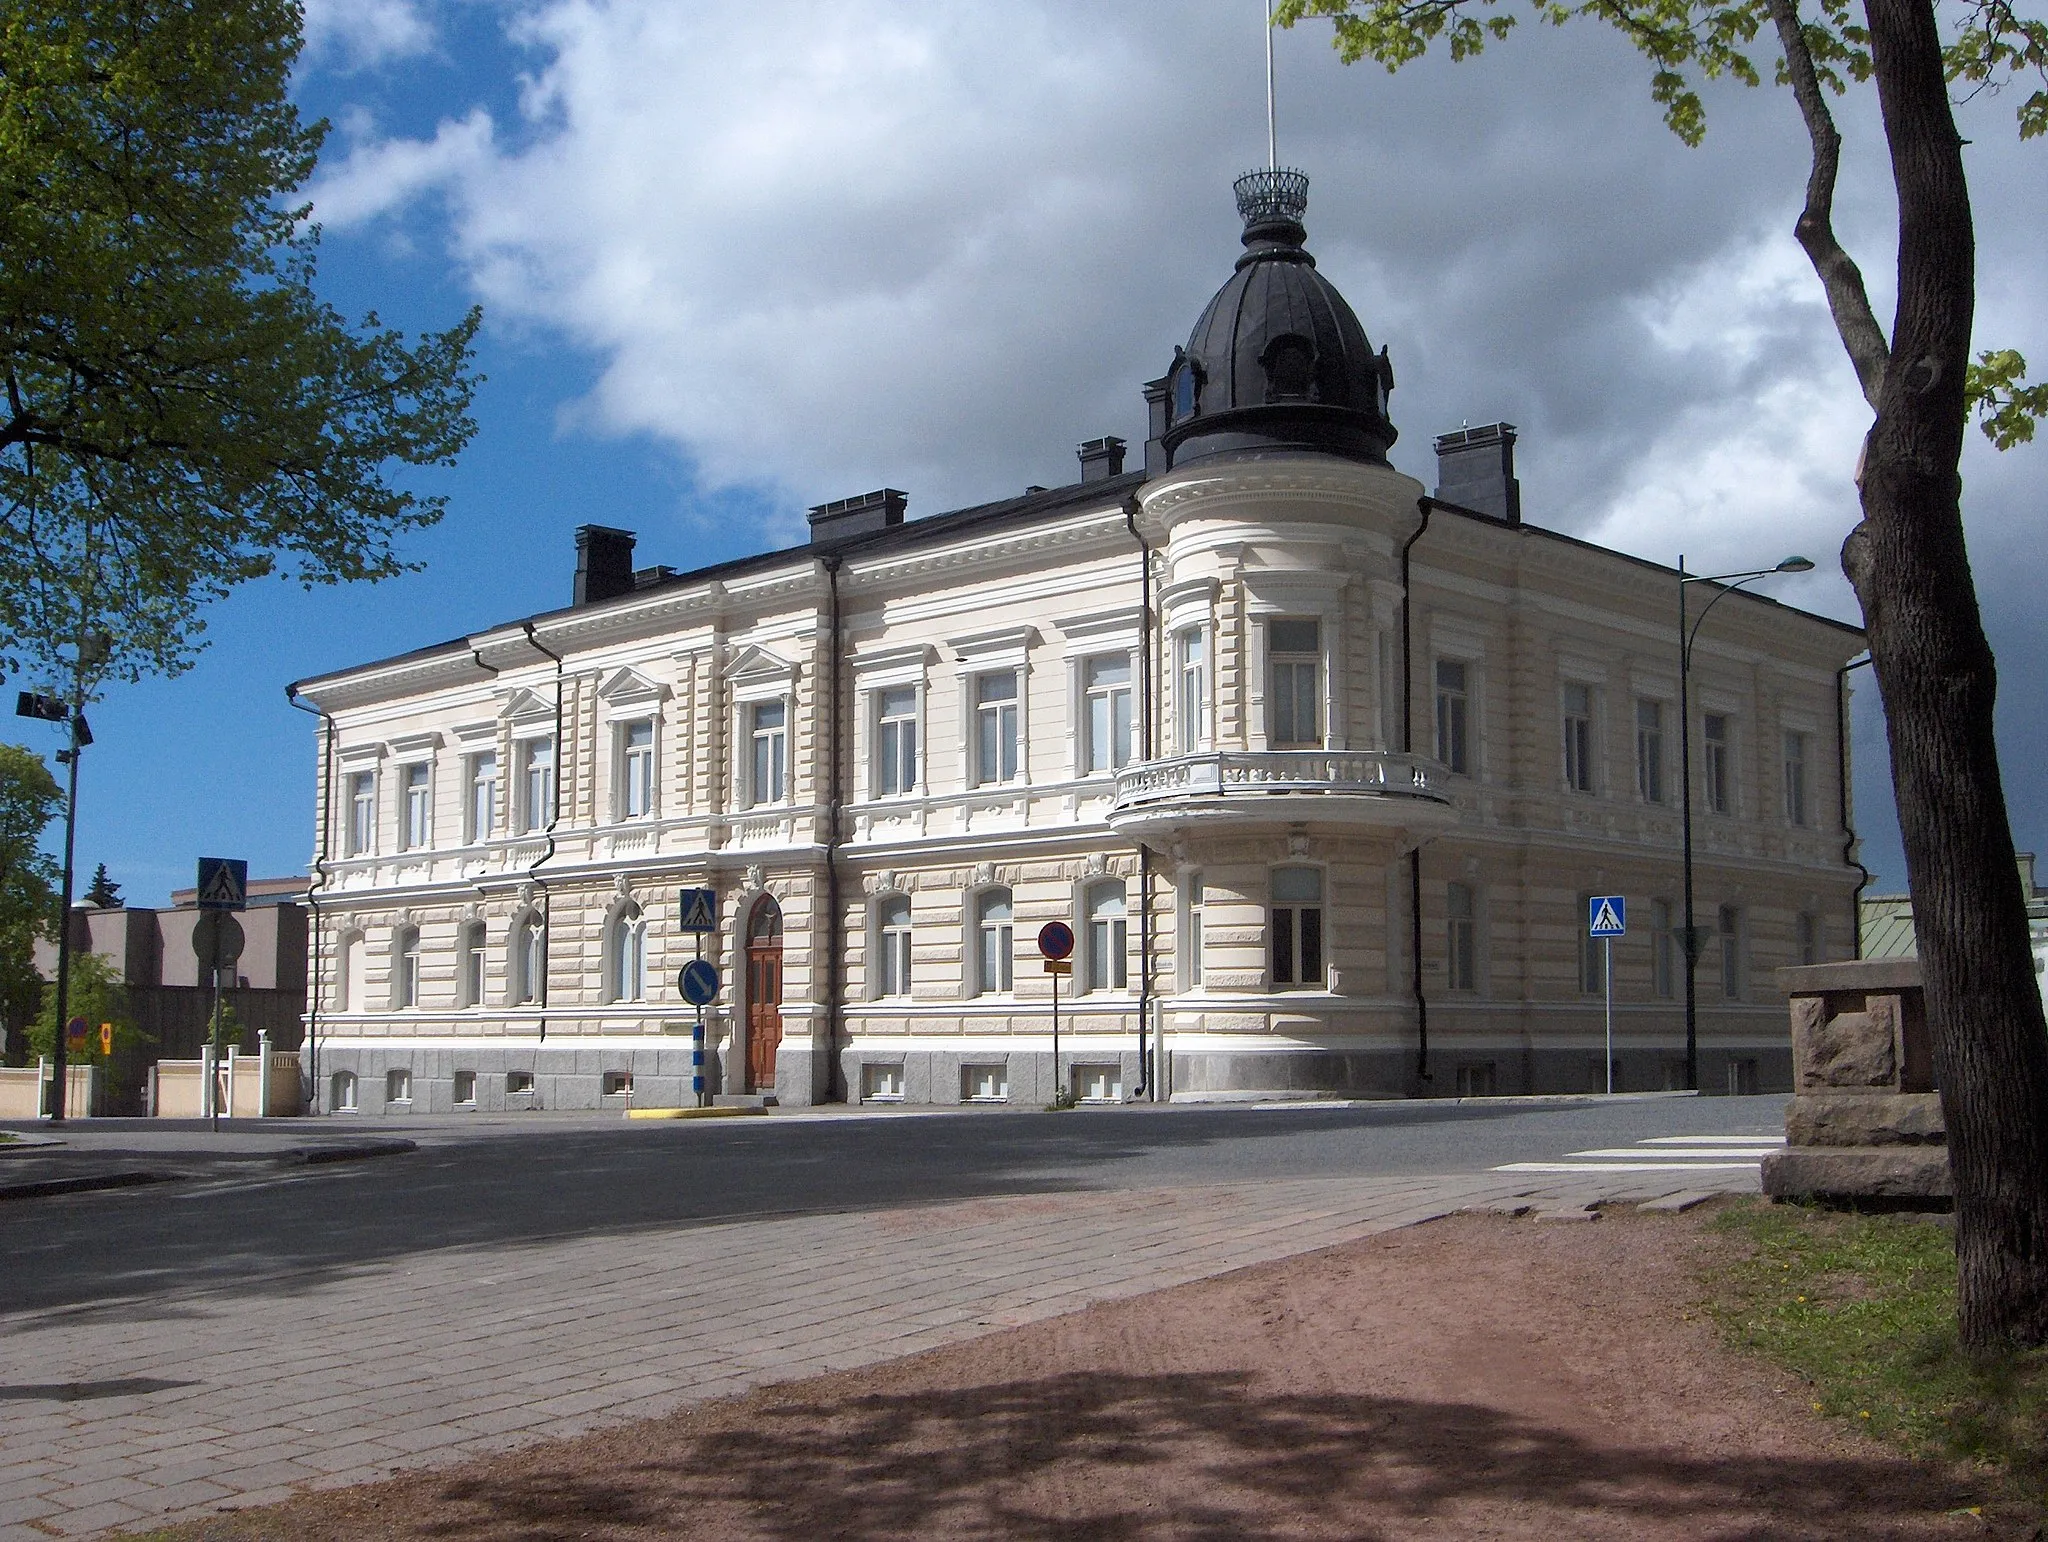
x=1378 y=787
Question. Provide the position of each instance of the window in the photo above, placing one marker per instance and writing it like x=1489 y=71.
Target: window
x=896 y=741
x=1107 y=938
x=1663 y=951
x=1098 y=1084
x=482 y=822
x=1477 y=1080
x=1296 y=663
x=880 y=1083
x=405 y=967
x=1191 y=940
x=416 y=827
x=1808 y=938
x=1730 y=930
x=1191 y=673
x=1592 y=955
x=1462 y=941
x=636 y=769
x=362 y=813
x=1297 y=928
x=995 y=727
x=1106 y=723
x=1650 y=751
x=341 y=1093
x=892 y=941
x=398 y=1086
x=355 y=973
x=536 y=784
x=1795 y=779
x=616 y=1084
x=1578 y=738
x=768 y=731
x=465 y=1089
x=1714 y=733
x=528 y=964
x=629 y=955
x=1453 y=698
x=518 y=1082
x=993 y=956
x=984 y=1084
x=469 y=966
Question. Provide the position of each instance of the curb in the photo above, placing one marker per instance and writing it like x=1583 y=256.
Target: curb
x=347 y=1151
x=1275 y=1100
x=43 y=1188
x=691 y=1113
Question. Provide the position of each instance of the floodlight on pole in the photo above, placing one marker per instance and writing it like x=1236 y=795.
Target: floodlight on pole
x=1730 y=582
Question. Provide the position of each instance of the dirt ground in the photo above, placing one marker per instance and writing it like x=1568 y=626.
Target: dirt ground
x=1476 y=1377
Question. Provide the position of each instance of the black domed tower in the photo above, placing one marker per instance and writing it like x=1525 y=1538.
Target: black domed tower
x=1278 y=360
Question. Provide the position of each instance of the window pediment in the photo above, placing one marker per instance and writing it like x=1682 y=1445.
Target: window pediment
x=524 y=708
x=994 y=649
x=753 y=664
x=627 y=687
x=411 y=746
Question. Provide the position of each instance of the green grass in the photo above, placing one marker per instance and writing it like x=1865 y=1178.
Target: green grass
x=1863 y=1307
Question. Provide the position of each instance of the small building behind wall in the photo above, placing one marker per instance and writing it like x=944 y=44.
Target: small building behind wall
x=1320 y=767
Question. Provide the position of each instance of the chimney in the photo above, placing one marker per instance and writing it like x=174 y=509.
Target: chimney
x=1102 y=459
x=604 y=563
x=1157 y=461
x=1475 y=469
x=881 y=509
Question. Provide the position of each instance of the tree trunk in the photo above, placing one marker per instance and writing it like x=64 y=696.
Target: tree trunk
x=1934 y=667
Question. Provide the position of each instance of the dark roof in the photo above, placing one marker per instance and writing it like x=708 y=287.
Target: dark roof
x=1278 y=359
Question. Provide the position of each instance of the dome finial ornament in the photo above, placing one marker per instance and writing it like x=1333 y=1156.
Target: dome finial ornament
x=1272 y=202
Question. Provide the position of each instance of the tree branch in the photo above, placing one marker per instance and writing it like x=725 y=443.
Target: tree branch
x=1840 y=279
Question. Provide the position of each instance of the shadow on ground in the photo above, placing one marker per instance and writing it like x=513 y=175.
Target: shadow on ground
x=1112 y=1456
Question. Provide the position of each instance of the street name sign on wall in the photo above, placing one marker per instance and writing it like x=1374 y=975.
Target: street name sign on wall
x=223 y=883
x=1607 y=916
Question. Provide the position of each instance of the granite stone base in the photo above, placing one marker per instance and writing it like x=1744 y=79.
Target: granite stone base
x=1846 y=1174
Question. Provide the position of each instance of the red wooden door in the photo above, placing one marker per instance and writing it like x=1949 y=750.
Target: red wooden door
x=764 y=994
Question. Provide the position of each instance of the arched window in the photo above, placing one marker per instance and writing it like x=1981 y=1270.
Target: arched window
x=1107 y=938
x=995 y=943
x=527 y=964
x=405 y=967
x=892 y=941
x=469 y=965
x=1289 y=368
x=628 y=950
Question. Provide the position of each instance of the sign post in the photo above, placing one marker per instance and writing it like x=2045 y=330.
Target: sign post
x=698 y=914
x=1056 y=943
x=217 y=942
x=1607 y=919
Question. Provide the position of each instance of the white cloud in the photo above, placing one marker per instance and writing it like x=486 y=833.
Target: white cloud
x=379 y=177
x=357 y=34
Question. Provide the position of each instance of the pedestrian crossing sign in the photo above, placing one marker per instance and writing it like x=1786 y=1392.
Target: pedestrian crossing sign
x=1607 y=916
x=223 y=883
x=699 y=910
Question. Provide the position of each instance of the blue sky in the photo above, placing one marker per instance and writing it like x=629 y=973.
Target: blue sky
x=739 y=260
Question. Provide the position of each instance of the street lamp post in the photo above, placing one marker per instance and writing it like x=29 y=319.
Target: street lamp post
x=92 y=651
x=1731 y=582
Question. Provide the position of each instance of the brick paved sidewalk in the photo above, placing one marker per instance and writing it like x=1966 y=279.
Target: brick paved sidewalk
x=166 y=1406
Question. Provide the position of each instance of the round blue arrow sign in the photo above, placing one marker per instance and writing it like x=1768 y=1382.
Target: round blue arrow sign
x=700 y=982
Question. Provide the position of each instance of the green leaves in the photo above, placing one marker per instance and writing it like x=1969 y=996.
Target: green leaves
x=181 y=412
x=2006 y=408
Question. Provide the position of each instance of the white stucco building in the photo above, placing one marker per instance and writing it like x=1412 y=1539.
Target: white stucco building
x=1321 y=767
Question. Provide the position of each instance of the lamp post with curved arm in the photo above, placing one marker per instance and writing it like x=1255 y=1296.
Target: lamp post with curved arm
x=1730 y=582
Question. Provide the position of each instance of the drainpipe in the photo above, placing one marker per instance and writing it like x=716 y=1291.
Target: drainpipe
x=1146 y=1083
x=835 y=920
x=1842 y=784
x=291 y=695
x=1408 y=748
x=547 y=905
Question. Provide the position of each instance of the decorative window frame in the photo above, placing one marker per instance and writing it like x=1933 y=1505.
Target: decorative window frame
x=754 y=675
x=470 y=929
x=876 y=930
x=1109 y=634
x=354 y=761
x=1190 y=606
x=627 y=697
x=1322 y=903
x=885 y=669
x=406 y=927
x=1084 y=964
x=1289 y=596
x=522 y=990
x=525 y=717
x=988 y=653
x=974 y=987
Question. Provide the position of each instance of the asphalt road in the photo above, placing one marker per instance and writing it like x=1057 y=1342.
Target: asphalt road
x=478 y=1183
